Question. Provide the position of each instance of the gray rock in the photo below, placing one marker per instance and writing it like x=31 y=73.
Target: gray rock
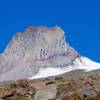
x=32 y=49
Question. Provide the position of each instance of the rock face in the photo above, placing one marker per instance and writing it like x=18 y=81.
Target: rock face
x=32 y=49
x=85 y=86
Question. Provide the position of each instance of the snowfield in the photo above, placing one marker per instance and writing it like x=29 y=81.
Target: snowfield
x=83 y=63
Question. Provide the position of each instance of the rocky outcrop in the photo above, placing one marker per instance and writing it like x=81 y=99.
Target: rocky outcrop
x=20 y=90
x=39 y=43
x=35 y=48
x=63 y=87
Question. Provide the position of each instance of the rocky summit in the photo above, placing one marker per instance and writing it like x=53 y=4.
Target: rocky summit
x=35 y=48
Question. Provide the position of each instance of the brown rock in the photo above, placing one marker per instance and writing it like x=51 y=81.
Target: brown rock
x=17 y=97
x=63 y=88
x=22 y=83
x=97 y=97
x=20 y=89
x=49 y=82
x=6 y=91
x=58 y=78
x=74 y=96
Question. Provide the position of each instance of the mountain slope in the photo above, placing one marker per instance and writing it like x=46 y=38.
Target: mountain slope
x=82 y=63
x=37 y=51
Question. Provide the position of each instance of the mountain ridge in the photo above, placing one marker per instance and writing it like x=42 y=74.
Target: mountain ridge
x=36 y=48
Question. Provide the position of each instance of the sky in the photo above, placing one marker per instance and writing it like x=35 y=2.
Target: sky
x=80 y=19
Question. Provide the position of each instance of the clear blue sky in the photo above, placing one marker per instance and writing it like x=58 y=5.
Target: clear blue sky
x=79 y=18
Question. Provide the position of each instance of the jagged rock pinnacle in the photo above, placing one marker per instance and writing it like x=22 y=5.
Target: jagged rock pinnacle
x=34 y=48
x=49 y=41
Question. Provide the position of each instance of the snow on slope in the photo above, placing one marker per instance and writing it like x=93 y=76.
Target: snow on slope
x=83 y=63
x=86 y=64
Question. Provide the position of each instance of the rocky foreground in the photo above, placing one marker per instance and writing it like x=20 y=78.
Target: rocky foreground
x=75 y=85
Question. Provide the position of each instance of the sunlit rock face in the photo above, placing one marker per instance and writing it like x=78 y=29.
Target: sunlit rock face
x=34 y=48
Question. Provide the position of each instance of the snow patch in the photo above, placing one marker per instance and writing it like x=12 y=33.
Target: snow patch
x=86 y=64
x=80 y=63
x=46 y=72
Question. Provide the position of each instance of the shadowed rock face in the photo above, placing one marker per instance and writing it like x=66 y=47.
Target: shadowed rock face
x=32 y=49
